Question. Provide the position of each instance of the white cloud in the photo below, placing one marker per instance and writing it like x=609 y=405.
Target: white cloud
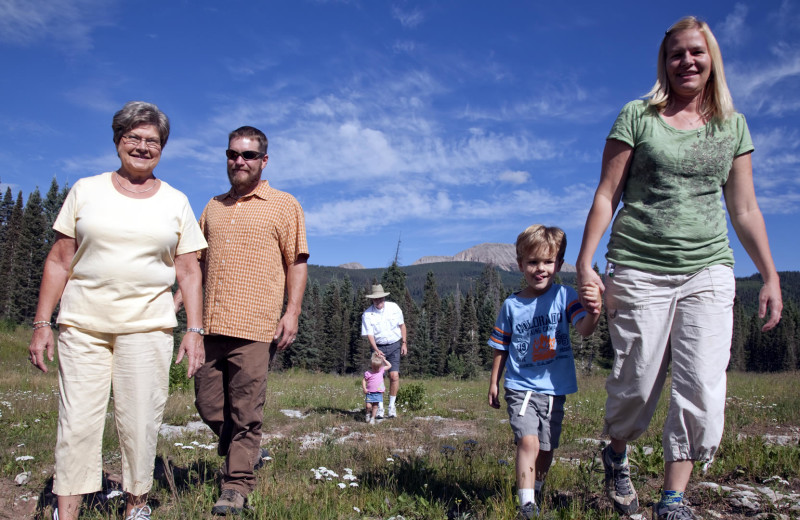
x=408 y=19
x=732 y=31
x=404 y=46
x=765 y=86
x=514 y=177
x=66 y=22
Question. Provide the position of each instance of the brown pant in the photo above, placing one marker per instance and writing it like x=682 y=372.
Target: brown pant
x=230 y=390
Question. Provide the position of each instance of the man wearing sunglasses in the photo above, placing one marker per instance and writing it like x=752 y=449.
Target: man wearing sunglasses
x=257 y=252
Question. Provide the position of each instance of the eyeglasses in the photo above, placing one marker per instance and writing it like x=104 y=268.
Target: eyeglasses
x=135 y=140
x=247 y=155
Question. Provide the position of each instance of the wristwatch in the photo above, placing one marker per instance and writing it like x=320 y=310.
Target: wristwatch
x=194 y=329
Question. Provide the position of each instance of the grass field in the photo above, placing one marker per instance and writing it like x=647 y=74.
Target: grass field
x=451 y=458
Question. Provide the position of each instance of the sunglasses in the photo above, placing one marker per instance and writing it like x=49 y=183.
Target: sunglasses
x=247 y=155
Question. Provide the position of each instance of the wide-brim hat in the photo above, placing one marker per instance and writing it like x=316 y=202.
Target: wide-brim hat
x=377 y=292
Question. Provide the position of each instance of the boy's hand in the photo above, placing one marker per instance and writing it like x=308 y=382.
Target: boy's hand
x=494 y=400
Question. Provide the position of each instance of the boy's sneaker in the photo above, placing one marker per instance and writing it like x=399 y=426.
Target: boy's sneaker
x=528 y=511
x=392 y=412
x=139 y=513
x=230 y=502
x=619 y=487
x=677 y=511
x=379 y=415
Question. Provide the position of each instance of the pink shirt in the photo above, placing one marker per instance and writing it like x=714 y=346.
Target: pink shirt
x=375 y=380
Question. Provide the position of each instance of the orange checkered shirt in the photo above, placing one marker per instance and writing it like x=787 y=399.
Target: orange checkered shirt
x=251 y=241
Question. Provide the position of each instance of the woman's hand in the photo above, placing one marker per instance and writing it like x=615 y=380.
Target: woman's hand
x=41 y=342
x=770 y=298
x=194 y=351
x=589 y=283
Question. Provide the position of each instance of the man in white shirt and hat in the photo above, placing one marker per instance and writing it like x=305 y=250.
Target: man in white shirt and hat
x=382 y=323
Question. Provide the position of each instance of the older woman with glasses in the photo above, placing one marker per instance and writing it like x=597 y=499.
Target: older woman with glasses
x=122 y=238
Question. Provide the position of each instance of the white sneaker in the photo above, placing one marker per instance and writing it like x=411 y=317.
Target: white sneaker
x=371 y=420
x=379 y=415
x=392 y=411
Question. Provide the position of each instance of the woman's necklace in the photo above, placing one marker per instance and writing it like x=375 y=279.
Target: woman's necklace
x=134 y=191
x=690 y=123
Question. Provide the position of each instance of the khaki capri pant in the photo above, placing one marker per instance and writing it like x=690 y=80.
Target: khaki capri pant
x=658 y=319
x=90 y=363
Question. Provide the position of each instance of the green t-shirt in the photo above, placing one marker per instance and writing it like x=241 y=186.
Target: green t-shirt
x=672 y=219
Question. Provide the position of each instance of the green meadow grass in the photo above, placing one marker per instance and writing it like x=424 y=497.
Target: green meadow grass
x=451 y=458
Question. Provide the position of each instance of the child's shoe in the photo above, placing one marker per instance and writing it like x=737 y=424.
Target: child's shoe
x=676 y=511
x=528 y=511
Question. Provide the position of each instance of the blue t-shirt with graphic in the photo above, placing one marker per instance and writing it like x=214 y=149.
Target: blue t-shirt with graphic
x=535 y=332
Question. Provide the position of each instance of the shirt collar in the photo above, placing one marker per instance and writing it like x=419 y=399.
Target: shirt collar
x=261 y=191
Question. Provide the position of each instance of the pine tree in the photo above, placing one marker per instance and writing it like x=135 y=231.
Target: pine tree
x=333 y=348
x=394 y=282
x=7 y=281
x=6 y=207
x=448 y=330
x=304 y=352
x=29 y=257
x=51 y=206
x=741 y=328
x=465 y=360
x=430 y=327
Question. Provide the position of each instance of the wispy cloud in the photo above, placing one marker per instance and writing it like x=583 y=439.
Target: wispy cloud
x=733 y=31
x=408 y=18
x=68 y=23
x=514 y=177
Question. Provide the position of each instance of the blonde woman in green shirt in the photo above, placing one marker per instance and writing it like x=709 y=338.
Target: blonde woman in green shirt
x=669 y=280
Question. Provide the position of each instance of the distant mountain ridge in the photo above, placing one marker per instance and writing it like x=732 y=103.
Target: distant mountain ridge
x=503 y=256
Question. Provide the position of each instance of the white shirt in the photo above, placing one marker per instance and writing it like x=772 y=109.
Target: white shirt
x=383 y=324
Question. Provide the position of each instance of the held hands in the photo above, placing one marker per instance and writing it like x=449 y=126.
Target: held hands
x=591 y=297
x=586 y=276
x=41 y=341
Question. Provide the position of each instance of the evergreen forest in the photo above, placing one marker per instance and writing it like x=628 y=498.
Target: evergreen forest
x=449 y=307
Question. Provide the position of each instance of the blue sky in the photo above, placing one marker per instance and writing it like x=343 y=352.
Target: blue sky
x=442 y=124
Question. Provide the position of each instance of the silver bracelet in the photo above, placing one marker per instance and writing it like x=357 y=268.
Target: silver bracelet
x=41 y=324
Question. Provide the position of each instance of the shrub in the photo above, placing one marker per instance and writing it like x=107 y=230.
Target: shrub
x=412 y=396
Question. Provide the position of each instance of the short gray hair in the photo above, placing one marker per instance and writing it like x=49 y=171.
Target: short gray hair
x=137 y=113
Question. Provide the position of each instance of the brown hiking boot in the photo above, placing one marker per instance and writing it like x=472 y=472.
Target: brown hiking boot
x=230 y=502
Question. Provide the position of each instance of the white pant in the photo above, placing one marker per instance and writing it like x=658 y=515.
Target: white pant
x=655 y=318
x=89 y=363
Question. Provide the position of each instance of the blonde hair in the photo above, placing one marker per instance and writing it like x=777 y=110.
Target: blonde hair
x=717 y=100
x=537 y=237
x=376 y=360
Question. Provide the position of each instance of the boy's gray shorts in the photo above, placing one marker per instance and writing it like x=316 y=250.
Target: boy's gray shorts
x=542 y=416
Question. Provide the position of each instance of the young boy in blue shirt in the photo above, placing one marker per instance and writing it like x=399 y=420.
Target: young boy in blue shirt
x=531 y=342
